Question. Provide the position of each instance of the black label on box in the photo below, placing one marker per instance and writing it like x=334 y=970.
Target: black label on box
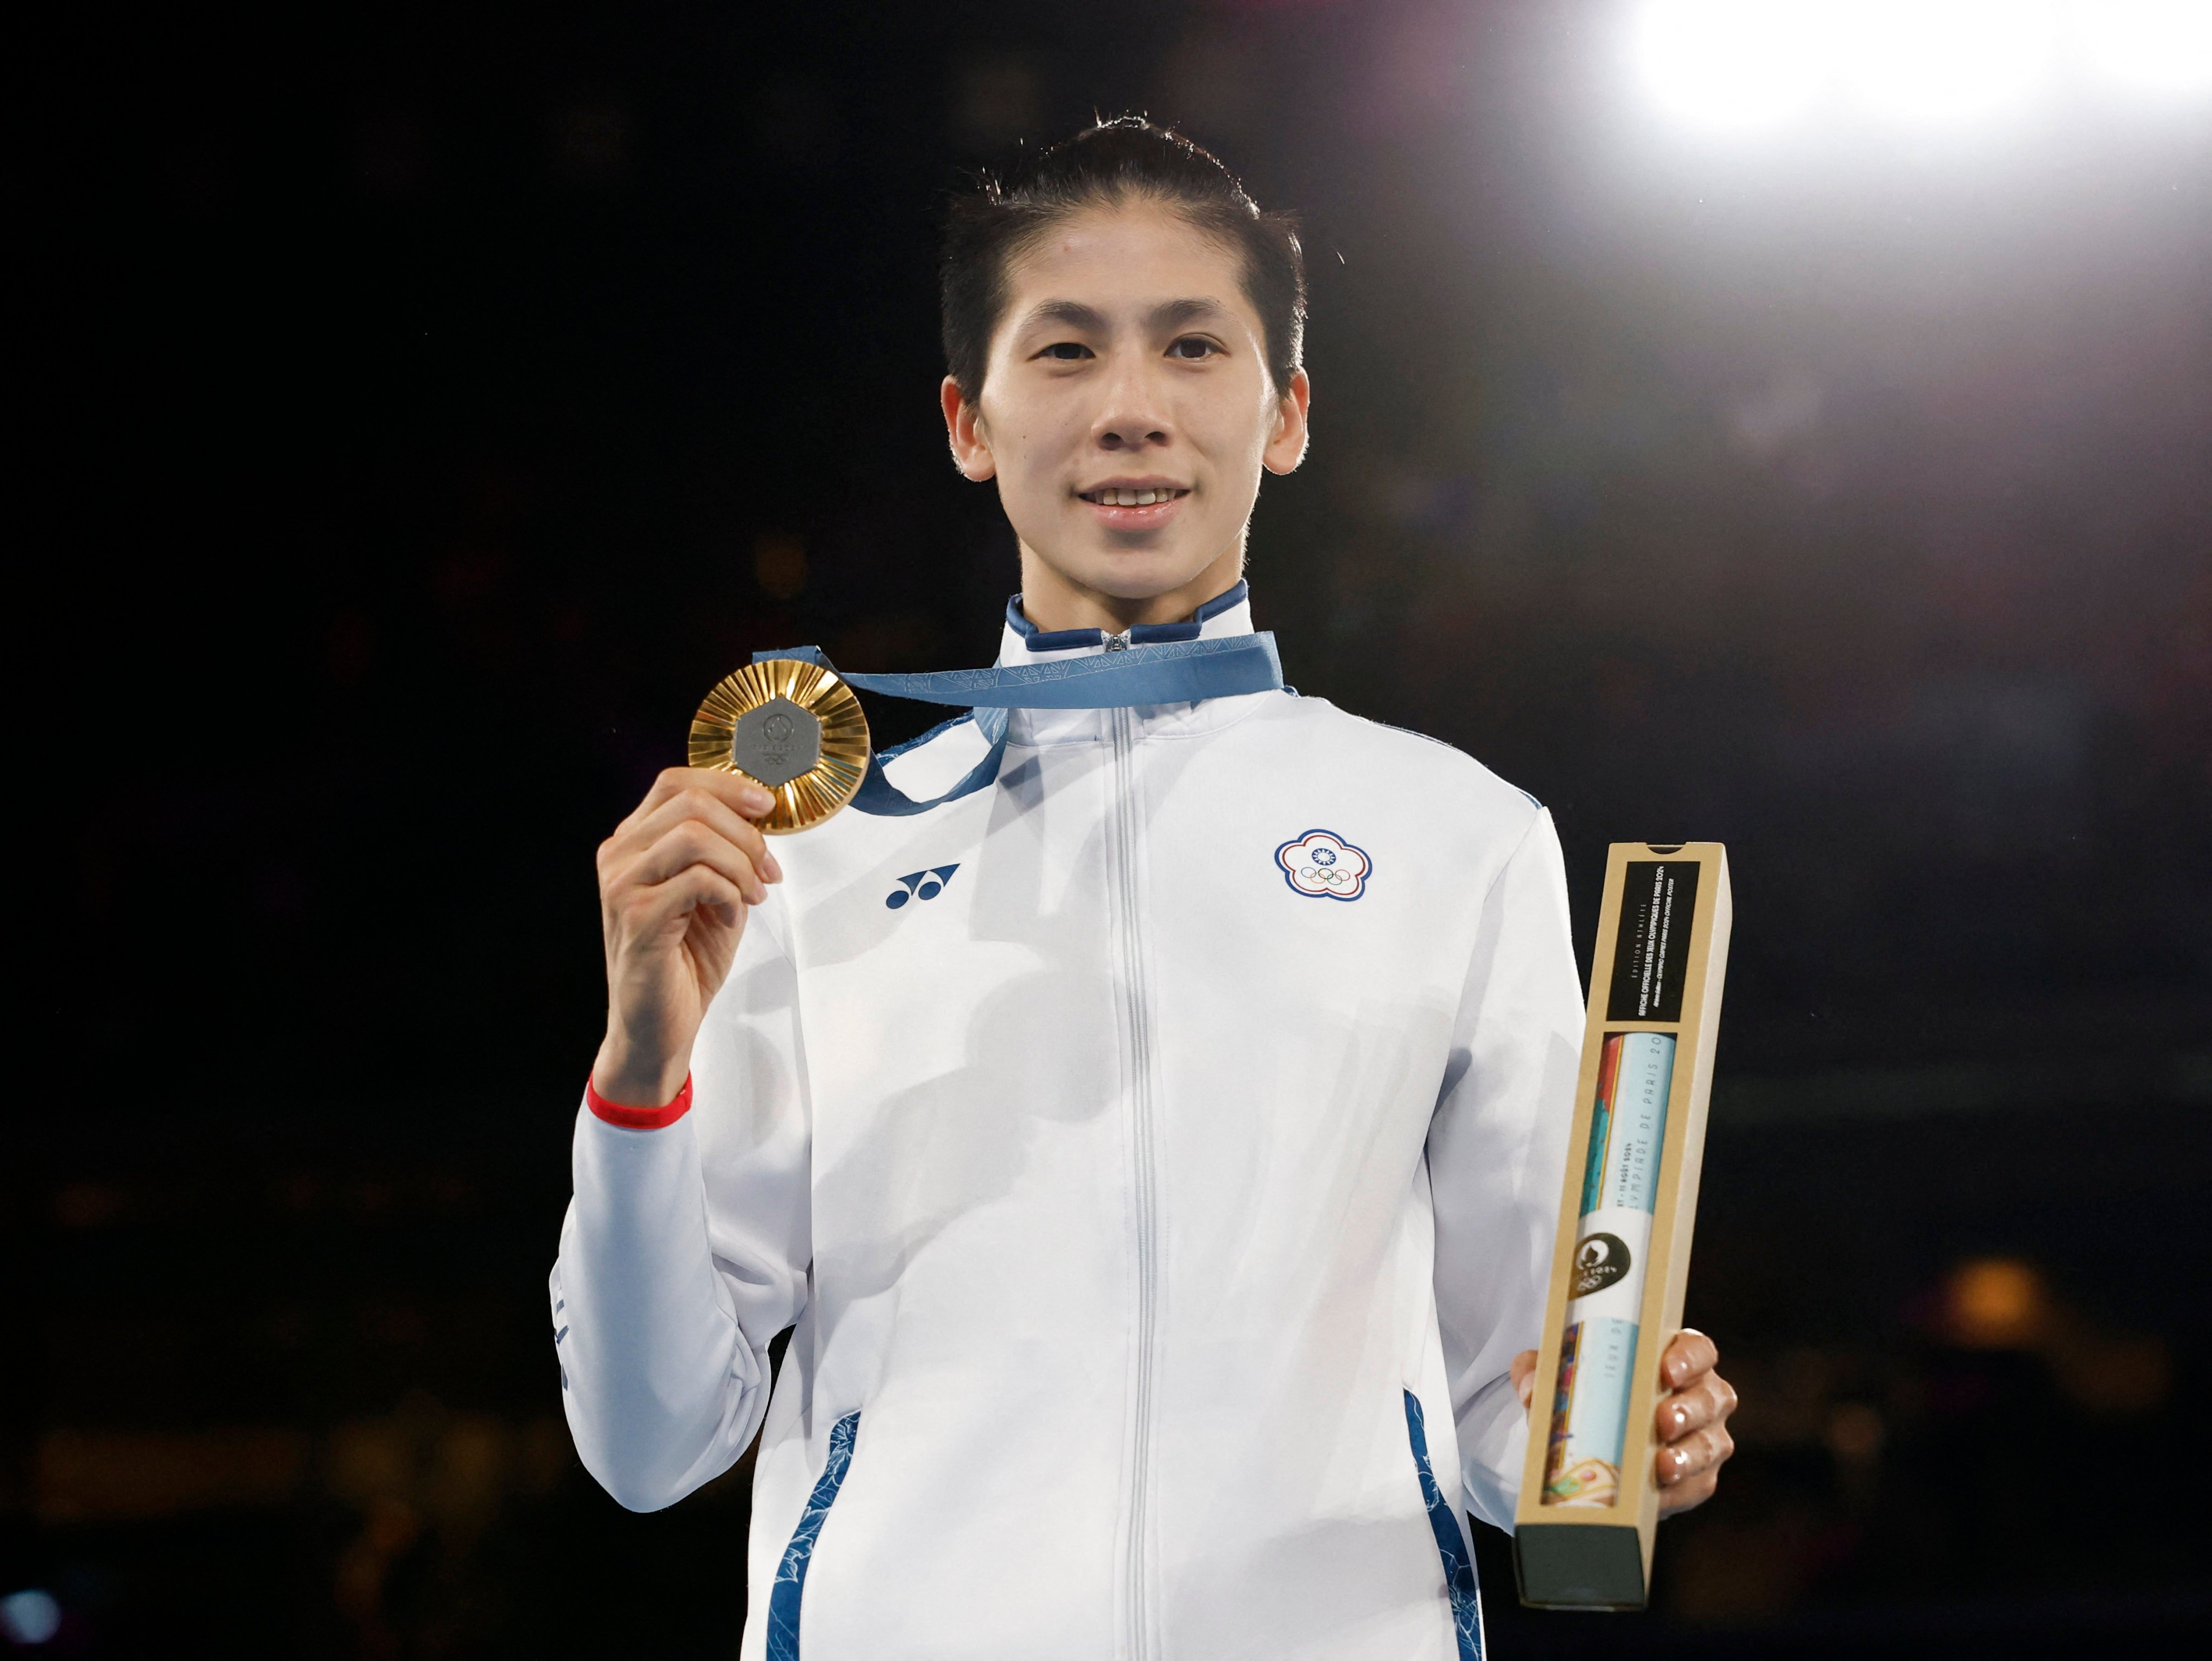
x=1652 y=954
x=1599 y=1260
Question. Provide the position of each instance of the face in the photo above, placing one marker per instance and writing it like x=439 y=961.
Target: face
x=1125 y=413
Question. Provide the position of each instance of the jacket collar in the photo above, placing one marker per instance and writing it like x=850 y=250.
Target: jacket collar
x=1023 y=641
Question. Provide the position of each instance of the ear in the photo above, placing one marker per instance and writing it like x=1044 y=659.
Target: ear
x=963 y=426
x=1286 y=442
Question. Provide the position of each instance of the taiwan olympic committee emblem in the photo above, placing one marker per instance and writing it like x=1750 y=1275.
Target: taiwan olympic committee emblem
x=1322 y=864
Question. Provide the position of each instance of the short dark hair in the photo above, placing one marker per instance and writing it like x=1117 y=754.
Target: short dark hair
x=990 y=226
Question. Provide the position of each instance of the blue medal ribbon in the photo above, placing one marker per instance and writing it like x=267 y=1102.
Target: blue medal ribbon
x=1172 y=671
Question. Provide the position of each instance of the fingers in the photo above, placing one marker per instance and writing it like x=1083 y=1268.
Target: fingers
x=1691 y=1353
x=698 y=888
x=1522 y=1370
x=629 y=855
x=1692 y=1423
x=742 y=794
x=689 y=843
x=1708 y=1401
x=1700 y=1454
x=1688 y=1495
x=717 y=797
x=687 y=792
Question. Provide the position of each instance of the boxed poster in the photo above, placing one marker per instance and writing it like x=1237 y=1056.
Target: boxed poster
x=1590 y=1504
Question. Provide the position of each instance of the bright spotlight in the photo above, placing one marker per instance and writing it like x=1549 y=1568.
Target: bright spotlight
x=1730 y=63
x=1941 y=60
x=30 y=1617
x=2165 y=44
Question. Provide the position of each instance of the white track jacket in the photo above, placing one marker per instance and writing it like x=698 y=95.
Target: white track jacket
x=1157 y=1152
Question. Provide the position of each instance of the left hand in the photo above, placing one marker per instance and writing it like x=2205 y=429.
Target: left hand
x=1693 y=1421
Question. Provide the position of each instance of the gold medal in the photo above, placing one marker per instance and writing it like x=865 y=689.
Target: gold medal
x=791 y=726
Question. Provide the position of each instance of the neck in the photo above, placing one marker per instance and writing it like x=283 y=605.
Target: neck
x=1053 y=600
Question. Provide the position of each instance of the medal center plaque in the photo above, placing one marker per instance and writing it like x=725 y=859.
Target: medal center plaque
x=777 y=742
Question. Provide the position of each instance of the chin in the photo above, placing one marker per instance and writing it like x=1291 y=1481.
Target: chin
x=1144 y=576
x=1139 y=570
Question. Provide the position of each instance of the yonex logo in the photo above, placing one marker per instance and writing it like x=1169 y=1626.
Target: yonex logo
x=920 y=885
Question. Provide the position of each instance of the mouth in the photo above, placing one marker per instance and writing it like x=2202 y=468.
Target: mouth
x=1134 y=496
x=1135 y=504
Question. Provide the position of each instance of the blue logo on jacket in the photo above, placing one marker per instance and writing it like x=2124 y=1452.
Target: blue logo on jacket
x=920 y=885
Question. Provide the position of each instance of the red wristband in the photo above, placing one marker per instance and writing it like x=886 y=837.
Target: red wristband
x=638 y=1118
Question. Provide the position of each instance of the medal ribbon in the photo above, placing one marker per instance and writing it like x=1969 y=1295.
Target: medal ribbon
x=1173 y=672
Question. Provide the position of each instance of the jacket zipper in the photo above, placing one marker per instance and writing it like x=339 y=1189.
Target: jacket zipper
x=1123 y=874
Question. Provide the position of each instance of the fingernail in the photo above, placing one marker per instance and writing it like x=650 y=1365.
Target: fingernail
x=770 y=868
x=1681 y=1416
x=758 y=801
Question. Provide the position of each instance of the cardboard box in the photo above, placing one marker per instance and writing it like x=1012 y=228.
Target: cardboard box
x=1590 y=1504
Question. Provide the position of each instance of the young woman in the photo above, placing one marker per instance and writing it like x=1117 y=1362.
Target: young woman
x=1154 y=1142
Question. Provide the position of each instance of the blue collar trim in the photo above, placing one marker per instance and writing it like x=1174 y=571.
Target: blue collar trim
x=1145 y=634
x=1222 y=602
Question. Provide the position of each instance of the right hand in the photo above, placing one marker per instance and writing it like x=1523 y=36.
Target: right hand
x=676 y=880
x=1522 y=1367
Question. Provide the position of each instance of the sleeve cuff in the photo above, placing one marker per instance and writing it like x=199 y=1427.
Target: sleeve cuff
x=1493 y=1439
x=638 y=1118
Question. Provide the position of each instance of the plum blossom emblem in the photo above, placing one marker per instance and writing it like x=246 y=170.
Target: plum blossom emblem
x=1322 y=864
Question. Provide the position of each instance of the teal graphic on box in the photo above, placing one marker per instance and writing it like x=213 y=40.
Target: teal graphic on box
x=1597 y=1350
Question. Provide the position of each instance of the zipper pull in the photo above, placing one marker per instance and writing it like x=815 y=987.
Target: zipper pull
x=1118 y=642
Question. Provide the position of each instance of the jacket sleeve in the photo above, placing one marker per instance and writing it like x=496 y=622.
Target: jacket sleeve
x=686 y=1249
x=1497 y=1155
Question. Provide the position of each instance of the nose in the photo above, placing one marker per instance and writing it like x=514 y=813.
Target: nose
x=1133 y=415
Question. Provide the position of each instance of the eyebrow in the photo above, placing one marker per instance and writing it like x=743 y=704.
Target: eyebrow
x=1072 y=312
x=1188 y=311
x=1168 y=314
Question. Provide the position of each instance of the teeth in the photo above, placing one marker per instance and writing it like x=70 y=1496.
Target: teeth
x=1113 y=497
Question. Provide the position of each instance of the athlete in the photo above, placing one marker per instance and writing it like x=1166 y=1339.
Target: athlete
x=1152 y=1139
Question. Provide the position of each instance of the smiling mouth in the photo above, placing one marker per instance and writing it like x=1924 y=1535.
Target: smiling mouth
x=1114 y=496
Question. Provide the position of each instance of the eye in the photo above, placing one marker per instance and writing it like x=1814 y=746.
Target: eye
x=1067 y=351
x=1194 y=348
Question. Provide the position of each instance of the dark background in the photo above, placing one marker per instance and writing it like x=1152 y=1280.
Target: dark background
x=419 y=412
